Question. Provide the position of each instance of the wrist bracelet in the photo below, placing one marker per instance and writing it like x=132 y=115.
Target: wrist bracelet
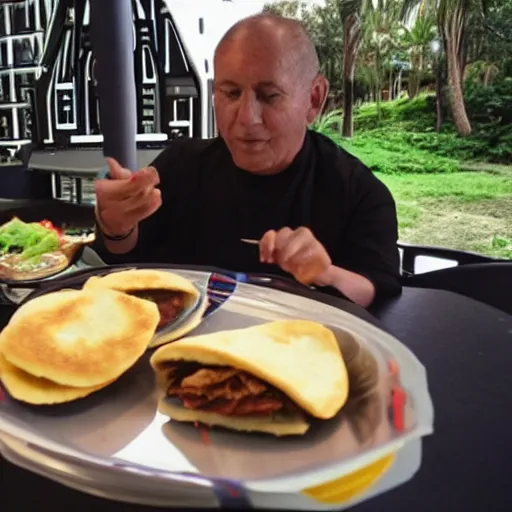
x=117 y=238
x=112 y=238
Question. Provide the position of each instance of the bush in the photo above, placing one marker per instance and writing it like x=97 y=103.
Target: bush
x=396 y=157
x=412 y=122
x=406 y=141
x=417 y=114
x=491 y=103
x=389 y=155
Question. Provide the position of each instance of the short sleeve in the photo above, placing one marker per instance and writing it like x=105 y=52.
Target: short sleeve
x=372 y=233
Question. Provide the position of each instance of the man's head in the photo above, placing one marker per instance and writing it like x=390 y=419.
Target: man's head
x=268 y=89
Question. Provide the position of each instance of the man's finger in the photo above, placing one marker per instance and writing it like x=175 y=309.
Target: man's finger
x=126 y=189
x=144 y=177
x=267 y=244
x=135 y=201
x=116 y=171
x=115 y=190
x=291 y=245
x=282 y=238
x=150 y=206
x=121 y=216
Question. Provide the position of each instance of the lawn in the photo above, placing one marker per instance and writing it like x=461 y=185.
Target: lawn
x=471 y=211
x=450 y=191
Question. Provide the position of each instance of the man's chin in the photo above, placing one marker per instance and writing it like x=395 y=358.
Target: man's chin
x=253 y=164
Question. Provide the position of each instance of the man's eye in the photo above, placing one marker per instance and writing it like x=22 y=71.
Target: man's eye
x=232 y=94
x=269 y=97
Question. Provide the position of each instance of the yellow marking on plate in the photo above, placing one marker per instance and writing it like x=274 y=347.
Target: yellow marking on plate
x=348 y=487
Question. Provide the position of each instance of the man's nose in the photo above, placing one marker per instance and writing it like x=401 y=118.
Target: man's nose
x=249 y=110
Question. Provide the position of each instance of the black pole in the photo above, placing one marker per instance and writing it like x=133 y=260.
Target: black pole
x=112 y=44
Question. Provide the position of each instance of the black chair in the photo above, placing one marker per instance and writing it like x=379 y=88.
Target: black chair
x=411 y=252
x=490 y=283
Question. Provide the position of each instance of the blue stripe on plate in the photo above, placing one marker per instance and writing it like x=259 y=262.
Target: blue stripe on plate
x=231 y=495
x=220 y=288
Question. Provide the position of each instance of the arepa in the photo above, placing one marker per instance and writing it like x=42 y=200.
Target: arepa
x=262 y=378
x=174 y=295
x=79 y=339
x=38 y=391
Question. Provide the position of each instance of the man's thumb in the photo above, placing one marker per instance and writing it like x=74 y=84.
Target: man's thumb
x=116 y=172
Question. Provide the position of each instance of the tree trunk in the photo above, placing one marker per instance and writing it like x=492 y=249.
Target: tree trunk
x=453 y=31
x=391 y=95
x=457 y=106
x=413 y=87
x=463 y=55
x=348 y=106
x=439 y=96
x=352 y=41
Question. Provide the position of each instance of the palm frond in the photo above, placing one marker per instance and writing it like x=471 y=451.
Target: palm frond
x=408 y=8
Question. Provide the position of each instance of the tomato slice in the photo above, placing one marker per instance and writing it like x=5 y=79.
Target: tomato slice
x=49 y=225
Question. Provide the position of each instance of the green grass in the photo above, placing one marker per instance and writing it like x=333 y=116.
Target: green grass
x=467 y=211
x=448 y=193
x=389 y=157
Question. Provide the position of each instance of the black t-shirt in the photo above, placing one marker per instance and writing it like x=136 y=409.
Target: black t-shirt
x=209 y=204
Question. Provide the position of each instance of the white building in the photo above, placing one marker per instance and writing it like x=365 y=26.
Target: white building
x=47 y=83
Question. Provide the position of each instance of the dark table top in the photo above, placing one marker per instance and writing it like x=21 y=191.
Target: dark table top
x=81 y=162
x=466 y=347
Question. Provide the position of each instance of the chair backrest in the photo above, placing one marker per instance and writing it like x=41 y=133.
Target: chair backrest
x=440 y=257
x=490 y=283
x=58 y=212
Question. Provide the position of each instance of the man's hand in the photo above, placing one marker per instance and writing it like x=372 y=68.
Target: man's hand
x=126 y=199
x=297 y=252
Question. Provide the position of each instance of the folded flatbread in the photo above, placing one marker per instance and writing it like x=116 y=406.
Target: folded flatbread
x=174 y=295
x=38 y=391
x=269 y=378
x=68 y=344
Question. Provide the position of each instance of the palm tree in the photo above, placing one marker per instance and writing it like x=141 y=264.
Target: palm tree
x=452 y=21
x=380 y=31
x=418 y=40
x=351 y=14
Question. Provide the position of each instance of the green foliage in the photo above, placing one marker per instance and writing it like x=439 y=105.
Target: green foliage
x=397 y=156
x=410 y=123
x=489 y=103
x=419 y=111
x=329 y=123
x=384 y=150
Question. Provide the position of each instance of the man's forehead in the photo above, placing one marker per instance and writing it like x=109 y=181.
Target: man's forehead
x=273 y=50
x=263 y=68
x=255 y=84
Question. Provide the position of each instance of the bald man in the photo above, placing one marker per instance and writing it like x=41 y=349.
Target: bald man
x=317 y=212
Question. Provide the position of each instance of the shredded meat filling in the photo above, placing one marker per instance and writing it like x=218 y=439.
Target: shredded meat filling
x=170 y=304
x=225 y=390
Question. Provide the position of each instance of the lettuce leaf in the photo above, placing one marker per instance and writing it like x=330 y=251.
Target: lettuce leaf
x=31 y=239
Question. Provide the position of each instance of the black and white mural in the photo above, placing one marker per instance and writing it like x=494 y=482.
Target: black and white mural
x=47 y=82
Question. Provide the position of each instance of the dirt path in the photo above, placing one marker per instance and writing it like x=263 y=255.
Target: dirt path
x=483 y=226
x=486 y=167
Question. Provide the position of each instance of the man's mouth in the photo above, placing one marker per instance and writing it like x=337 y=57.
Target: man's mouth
x=253 y=144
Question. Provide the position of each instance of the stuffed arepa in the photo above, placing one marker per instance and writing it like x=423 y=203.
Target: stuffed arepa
x=174 y=295
x=271 y=378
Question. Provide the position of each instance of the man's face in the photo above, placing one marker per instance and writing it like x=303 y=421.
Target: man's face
x=262 y=104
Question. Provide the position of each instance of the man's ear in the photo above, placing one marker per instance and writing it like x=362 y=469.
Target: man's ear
x=318 y=97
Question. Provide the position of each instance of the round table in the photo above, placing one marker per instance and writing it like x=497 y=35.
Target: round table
x=467 y=349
